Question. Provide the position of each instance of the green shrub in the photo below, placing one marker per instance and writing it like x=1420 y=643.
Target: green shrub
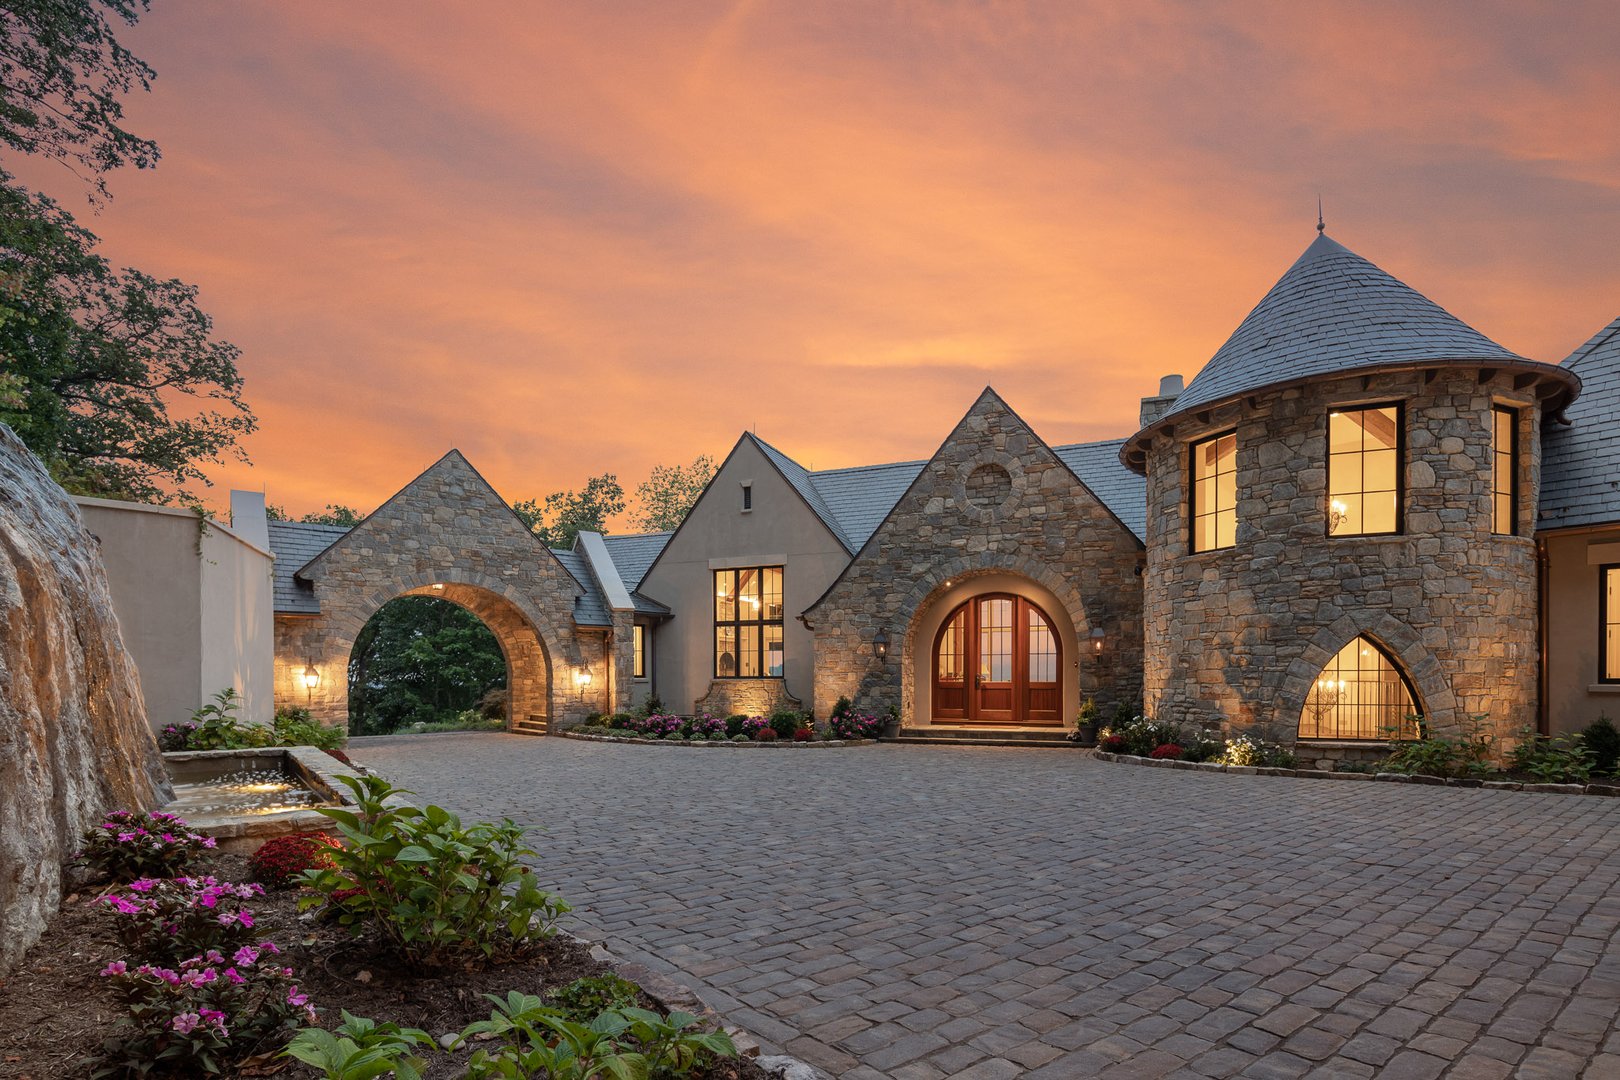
x=619 y=721
x=740 y=738
x=734 y=725
x=1246 y=749
x=531 y=1040
x=785 y=722
x=438 y=892
x=361 y=1049
x=1558 y=760
x=1602 y=738
x=1467 y=754
x=296 y=727
x=583 y=999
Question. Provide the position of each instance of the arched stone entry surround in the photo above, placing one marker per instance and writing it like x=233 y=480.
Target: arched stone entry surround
x=448 y=535
x=994 y=508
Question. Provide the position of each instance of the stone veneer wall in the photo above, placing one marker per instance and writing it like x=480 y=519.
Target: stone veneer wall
x=1238 y=636
x=450 y=527
x=750 y=697
x=993 y=499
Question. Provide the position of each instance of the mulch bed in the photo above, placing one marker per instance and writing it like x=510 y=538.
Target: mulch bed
x=55 y=1009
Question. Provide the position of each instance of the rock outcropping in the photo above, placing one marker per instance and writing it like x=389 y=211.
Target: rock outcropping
x=74 y=740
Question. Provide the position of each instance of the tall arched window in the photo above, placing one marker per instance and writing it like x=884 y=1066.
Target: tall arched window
x=1361 y=694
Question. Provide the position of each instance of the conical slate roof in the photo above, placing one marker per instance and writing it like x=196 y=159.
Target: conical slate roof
x=1334 y=312
x=1580 y=461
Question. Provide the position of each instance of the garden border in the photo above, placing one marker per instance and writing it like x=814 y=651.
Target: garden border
x=1601 y=790
x=774 y=744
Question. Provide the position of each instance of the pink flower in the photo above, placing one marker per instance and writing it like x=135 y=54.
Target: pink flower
x=186 y=1023
x=125 y=837
x=295 y=998
x=247 y=955
x=233 y=977
x=117 y=967
x=209 y=841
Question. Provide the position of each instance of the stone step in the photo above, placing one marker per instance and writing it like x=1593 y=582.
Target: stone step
x=534 y=725
x=981 y=736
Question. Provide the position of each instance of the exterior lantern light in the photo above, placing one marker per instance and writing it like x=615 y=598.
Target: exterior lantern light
x=582 y=677
x=1098 y=635
x=438 y=586
x=312 y=676
x=880 y=645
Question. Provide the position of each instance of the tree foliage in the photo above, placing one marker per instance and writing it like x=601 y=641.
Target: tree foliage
x=334 y=514
x=665 y=497
x=563 y=515
x=113 y=377
x=420 y=659
x=63 y=76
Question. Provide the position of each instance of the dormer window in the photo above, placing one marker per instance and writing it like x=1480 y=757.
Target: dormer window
x=1364 y=471
x=1213 y=509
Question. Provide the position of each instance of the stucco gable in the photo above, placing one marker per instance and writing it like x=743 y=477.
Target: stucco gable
x=454 y=495
x=991 y=467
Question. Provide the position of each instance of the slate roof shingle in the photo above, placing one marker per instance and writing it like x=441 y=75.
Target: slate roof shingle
x=294 y=543
x=855 y=501
x=590 y=606
x=1580 y=463
x=1332 y=312
x=633 y=554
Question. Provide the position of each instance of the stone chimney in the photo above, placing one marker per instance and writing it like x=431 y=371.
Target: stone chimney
x=1170 y=388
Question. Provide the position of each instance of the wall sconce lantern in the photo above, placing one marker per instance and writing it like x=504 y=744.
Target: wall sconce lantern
x=880 y=645
x=1098 y=635
x=312 y=676
x=582 y=677
x=438 y=586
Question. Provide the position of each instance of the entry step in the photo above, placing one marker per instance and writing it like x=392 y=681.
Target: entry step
x=983 y=736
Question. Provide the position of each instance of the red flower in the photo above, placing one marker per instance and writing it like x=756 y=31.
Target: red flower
x=1114 y=744
x=1166 y=752
x=804 y=734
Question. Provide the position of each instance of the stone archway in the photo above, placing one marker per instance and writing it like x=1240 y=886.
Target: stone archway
x=528 y=663
x=447 y=534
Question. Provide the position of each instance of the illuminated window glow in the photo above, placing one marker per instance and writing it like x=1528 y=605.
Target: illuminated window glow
x=1364 y=470
x=1360 y=694
x=1609 y=617
x=748 y=623
x=1214 y=492
x=1504 y=471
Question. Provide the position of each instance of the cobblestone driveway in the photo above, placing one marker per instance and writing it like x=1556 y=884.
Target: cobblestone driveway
x=923 y=911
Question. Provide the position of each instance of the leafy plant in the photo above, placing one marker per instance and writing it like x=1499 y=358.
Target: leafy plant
x=785 y=722
x=280 y=861
x=362 y=1049
x=583 y=999
x=1246 y=749
x=1465 y=754
x=203 y=1016
x=1602 y=738
x=296 y=727
x=131 y=844
x=439 y=893
x=169 y=918
x=1557 y=760
x=217 y=727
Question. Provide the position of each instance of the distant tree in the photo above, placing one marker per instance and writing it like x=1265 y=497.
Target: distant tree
x=665 y=497
x=62 y=77
x=420 y=659
x=334 y=514
x=112 y=377
x=563 y=515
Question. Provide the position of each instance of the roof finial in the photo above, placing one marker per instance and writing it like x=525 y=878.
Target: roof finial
x=1320 y=226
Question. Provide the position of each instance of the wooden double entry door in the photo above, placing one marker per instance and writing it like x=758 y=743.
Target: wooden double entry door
x=998 y=660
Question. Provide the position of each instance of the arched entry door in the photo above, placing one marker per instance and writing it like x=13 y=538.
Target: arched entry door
x=998 y=660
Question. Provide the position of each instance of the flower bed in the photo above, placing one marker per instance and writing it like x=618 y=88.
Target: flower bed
x=785 y=728
x=209 y=973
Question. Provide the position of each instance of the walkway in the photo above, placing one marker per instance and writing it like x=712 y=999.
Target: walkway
x=919 y=911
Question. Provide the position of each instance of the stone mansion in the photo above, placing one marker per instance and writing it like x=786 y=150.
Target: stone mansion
x=1360 y=510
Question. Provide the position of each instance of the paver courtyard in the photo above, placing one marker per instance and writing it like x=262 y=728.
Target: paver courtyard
x=913 y=911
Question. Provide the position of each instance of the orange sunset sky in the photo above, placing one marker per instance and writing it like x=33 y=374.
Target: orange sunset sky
x=571 y=239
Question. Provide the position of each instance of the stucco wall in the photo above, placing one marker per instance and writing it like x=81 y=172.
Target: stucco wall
x=1574 y=696
x=994 y=504
x=1239 y=635
x=779 y=528
x=193 y=604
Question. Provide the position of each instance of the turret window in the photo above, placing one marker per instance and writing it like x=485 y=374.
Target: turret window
x=1364 y=471
x=1361 y=694
x=1504 y=471
x=1214 y=492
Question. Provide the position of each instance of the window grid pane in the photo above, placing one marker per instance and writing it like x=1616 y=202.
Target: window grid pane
x=638 y=646
x=952 y=645
x=748 y=625
x=1360 y=694
x=1214 y=492
x=1611 y=624
x=1504 y=461
x=995 y=640
x=1042 y=650
x=1364 y=469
